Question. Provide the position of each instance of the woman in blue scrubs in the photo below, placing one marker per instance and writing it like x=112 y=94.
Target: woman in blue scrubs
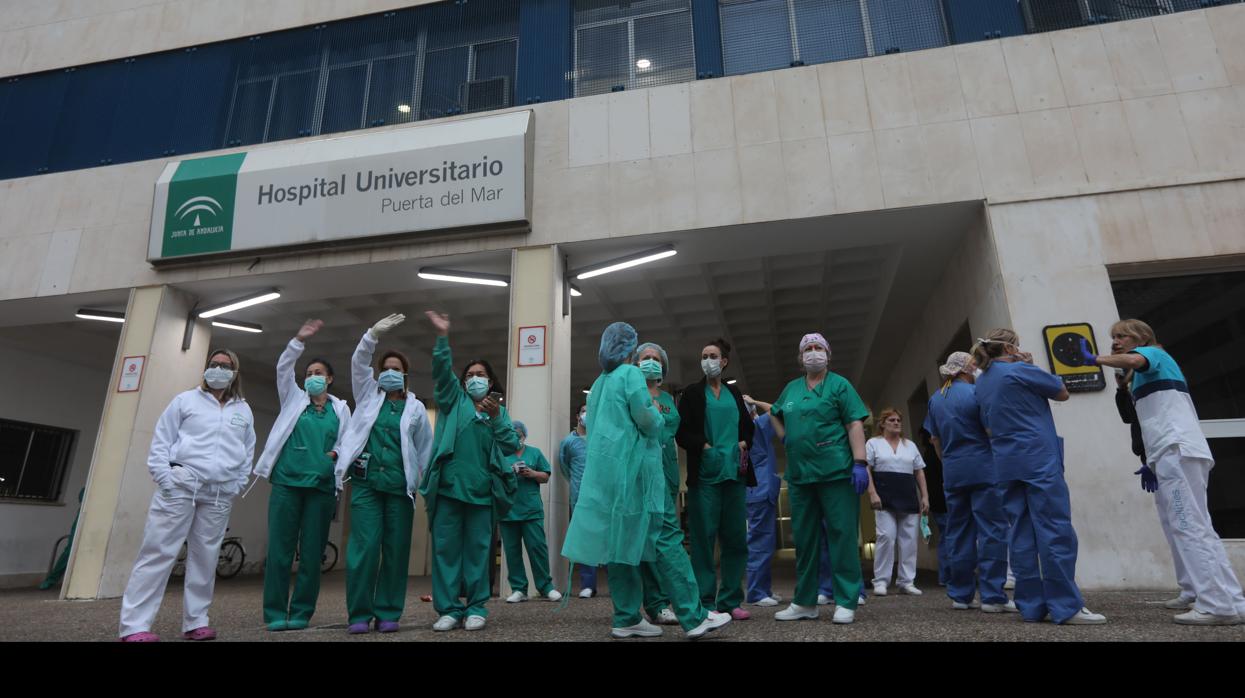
x=1028 y=457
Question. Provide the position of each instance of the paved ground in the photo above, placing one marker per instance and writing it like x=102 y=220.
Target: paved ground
x=31 y=615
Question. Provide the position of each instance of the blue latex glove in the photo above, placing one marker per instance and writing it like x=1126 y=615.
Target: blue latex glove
x=1088 y=356
x=860 y=477
x=1149 y=481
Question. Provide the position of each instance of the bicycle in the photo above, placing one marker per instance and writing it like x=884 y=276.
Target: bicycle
x=228 y=563
x=328 y=560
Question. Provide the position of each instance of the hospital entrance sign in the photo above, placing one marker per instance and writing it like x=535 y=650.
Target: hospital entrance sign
x=460 y=176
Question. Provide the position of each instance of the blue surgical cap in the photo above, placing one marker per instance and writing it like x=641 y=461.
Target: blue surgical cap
x=665 y=360
x=520 y=427
x=617 y=346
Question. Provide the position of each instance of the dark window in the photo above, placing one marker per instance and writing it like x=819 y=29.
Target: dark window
x=34 y=460
x=1200 y=320
x=632 y=45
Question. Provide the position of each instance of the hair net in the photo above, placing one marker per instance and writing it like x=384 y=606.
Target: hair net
x=618 y=343
x=955 y=364
x=519 y=427
x=814 y=338
x=665 y=360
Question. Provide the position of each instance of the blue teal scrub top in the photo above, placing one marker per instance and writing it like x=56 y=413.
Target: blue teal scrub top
x=955 y=418
x=572 y=455
x=1162 y=373
x=1015 y=408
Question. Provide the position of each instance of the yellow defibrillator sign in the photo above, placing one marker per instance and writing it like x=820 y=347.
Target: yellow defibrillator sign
x=1063 y=349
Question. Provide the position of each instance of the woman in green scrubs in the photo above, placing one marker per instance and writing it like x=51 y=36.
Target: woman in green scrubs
x=298 y=460
x=821 y=416
x=715 y=430
x=468 y=485
x=652 y=362
x=524 y=526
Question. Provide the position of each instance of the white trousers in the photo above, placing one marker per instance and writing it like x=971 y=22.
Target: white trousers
x=895 y=530
x=1202 y=567
x=178 y=514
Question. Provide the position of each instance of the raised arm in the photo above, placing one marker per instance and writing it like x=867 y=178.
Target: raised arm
x=287 y=383
x=364 y=383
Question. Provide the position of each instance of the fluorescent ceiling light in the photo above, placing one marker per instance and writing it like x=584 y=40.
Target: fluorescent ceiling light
x=105 y=315
x=626 y=262
x=240 y=303
x=586 y=392
x=404 y=108
x=732 y=381
x=644 y=64
x=238 y=325
x=464 y=277
x=575 y=293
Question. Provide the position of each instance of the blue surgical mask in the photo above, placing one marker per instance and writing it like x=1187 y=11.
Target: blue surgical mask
x=391 y=380
x=316 y=385
x=477 y=387
x=651 y=368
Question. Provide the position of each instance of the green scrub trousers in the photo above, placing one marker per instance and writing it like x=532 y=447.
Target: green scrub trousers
x=461 y=536
x=378 y=553
x=515 y=535
x=719 y=511
x=298 y=517
x=672 y=574
x=836 y=503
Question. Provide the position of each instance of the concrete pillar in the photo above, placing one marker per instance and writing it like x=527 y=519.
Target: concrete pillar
x=119 y=487
x=539 y=396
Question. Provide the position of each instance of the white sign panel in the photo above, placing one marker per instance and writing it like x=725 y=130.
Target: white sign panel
x=468 y=174
x=531 y=346
x=131 y=374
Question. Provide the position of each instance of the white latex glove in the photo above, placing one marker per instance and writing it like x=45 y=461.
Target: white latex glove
x=386 y=324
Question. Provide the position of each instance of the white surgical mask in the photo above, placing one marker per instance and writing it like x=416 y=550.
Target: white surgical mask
x=477 y=387
x=218 y=378
x=976 y=373
x=711 y=367
x=815 y=361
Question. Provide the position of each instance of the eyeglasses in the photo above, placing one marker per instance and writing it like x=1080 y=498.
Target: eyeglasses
x=221 y=364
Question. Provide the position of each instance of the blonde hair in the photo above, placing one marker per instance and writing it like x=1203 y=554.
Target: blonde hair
x=234 y=391
x=1136 y=329
x=990 y=347
x=889 y=411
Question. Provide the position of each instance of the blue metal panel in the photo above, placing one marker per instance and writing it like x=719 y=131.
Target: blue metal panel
x=707 y=32
x=545 y=51
x=977 y=20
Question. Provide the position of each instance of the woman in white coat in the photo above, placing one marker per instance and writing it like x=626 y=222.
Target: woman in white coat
x=898 y=495
x=200 y=459
x=386 y=448
x=299 y=462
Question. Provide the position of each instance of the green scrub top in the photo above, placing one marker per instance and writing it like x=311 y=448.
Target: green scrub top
x=816 y=422
x=304 y=460
x=384 y=471
x=720 y=462
x=465 y=477
x=669 y=450
x=527 y=503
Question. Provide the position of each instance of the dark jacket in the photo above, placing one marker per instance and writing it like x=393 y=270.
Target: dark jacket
x=1128 y=413
x=691 y=433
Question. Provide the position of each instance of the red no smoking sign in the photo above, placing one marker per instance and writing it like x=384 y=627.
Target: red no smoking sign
x=131 y=378
x=531 y=347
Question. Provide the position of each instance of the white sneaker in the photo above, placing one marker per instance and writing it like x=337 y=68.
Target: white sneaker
x=445 y=623
x=516 y=597
x=910 y=589
x=554 y=595
x=1180 y=603
x=769 y=601
x=712 y=622
x=823 y=600
x=1196 y=617
x=1010 y=583
x=797 y=612
x=843 y=616
x=1086 y=617
x=861 y=601
x=475 y=623
x=879 y=589
x=970 y=605
x=1009 y=607
x=666 y=617
x=585 y=594
x=641 y=629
